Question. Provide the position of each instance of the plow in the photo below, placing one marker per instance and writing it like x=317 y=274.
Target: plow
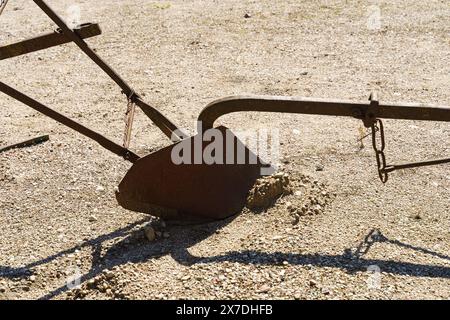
x=202 y=191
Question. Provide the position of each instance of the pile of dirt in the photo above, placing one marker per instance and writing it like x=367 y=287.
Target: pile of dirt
x=267 y=190
x=302 y=195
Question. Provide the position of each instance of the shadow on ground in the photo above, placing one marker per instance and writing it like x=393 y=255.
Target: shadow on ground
x=131 y=250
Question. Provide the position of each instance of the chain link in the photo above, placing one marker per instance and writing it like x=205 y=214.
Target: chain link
x=379 y=145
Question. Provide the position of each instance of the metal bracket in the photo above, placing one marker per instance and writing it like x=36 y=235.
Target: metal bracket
x=370 y=116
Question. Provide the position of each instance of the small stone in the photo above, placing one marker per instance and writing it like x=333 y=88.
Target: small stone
x=312 y=283
x=185 y=278
x=100 y=189
x=289 y=206
x=319 y=167
x=92 y=218
x=150 y=233
x=247 y=15
x=109 y=274
x=33 y=278
x=295 y=219
x=264 y=289
x=326 y=291
x=317 y=209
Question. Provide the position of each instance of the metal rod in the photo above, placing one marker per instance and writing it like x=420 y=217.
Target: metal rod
x=25 y=144
x=391 y=168
x=404 y=111
x=2 y=5
x=56 y=38
x=103 y=141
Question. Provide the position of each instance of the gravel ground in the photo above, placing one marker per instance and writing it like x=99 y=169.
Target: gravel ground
x=57 y=208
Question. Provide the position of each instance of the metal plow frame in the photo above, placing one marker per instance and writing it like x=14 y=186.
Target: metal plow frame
x=191 y=192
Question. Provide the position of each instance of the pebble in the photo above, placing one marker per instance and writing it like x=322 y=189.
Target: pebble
x=109 y=274
x=289 y=206
x=186 y=278
x=295 y=219
x=264 y=289
x=100 y=189
x=150 y=233
x=92 y=218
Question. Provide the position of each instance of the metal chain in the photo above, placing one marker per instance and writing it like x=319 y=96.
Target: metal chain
x=379 y=144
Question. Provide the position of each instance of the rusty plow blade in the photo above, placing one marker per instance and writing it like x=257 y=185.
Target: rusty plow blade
x=160 y=185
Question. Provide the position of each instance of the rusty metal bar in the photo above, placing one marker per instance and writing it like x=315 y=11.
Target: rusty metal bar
x=391 y=168
x=42 y=42
x=2 y=5
x=103 y=141
x=25 y=144
x=359 y=110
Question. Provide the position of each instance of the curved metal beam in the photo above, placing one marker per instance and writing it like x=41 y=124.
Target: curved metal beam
x=312 y=106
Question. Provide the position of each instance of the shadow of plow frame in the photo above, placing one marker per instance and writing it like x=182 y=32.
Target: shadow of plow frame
x=184 y=237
